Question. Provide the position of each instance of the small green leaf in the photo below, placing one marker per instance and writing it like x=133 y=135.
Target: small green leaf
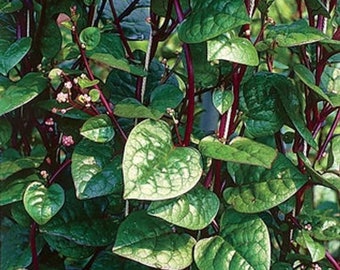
x=235 y=49
x=94 y=94
x=95 y=172
x=90 y=36
x=297 y=33
x=222 y=100
x=260 y=189
x=222 y=17
x=194 y=210
x=240 y=150
x=150 y=241
x=121 y=64
x=43 y=203
x=10 y=7
x=5 y=131
x=98 y=129
x=153 y=168
x=22 y=92
x=315 y=249
x=307 y=77
x=85 y=82
x=11 y=54
x=132 y=108
x=237 y=247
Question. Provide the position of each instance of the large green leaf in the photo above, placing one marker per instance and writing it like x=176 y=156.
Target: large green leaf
x=98 y=129
x=132 y=108
x=150 y=241
x=22 y=92
x=194 y=210
x=222 y=17
x=42 y=202
x=153 y=168
x=259 y=189
x=259 y=104
x=237 y=247
x=240 y=150
x=307 y=77
x=120 y=63
x=11 y=54
x=94 y=170
x=234 y=49
x=297 y=33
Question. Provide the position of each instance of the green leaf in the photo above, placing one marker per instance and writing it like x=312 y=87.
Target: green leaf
x=98 y=129
x=90 y=36
x=85 y=82
x=43 y=203
x=259 y=104
x=22 y=92
x=5 y=131
x=260 y=189
x=150 y=241
x=132 y=108
x=297 y=33
x=10 y=7
x=317 y=7
x=95 y=172
x=194 y=210
x=121 y=64
x=289 y=98
x=316 y=250
x=240 y=150
x=235 y=49
x=222 y=17
x=307 y=77
x=222 y=100
x=7 y=168
x=11 y=54
x=153 y=168
x=94 y=94
x=237 y=247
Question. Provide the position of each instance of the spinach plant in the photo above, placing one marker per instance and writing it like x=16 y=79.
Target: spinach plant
x=169 y=134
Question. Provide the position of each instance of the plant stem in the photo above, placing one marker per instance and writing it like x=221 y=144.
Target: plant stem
x=34 y=227
x=60 y=169
x=190 y=94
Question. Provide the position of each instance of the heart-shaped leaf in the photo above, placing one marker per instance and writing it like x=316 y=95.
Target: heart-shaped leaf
x=90 y=37
x=22 y=92
x=43 y=203
x=153 y=168
x=259 y=189
x=150 y=241
x=236 y=49
x=240 y=150
x=315 y=249
x=237 y=247
x=95 y=172
x=194 y=210
x=222 y=100
x=98 y=129
x=11 y=54
x=222 y=17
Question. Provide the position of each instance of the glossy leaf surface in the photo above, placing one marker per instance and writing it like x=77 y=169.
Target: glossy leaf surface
x=153 y=168
x=259 y=189
x=90 y=37
x=150 y=241
x=222 y=100
x=194 y=210
x=98 y=129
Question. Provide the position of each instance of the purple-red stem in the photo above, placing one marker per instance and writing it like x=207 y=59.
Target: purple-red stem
x=33 y=246
x=60 y=169
x=190 y=94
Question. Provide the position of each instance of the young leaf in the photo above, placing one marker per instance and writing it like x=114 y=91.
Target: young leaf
x=194 y=210
x=297 y=33
x=98 y=129
x=240 y=150
x=153 y=168
x=237 y=247
x=260 y=189
x=236 y=49
x=307 y=77
x=11 y=54
x=43 y=203
x=22 y=92
x=222 y=100
x=150 y=241
x=315 y=249
x=90 y=37
x=94 y=171
x=222 y=17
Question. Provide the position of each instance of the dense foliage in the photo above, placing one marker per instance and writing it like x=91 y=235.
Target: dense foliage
x=169 y=134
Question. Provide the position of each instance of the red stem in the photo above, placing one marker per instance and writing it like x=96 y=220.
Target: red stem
x=60 y=169
x=35 y=261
